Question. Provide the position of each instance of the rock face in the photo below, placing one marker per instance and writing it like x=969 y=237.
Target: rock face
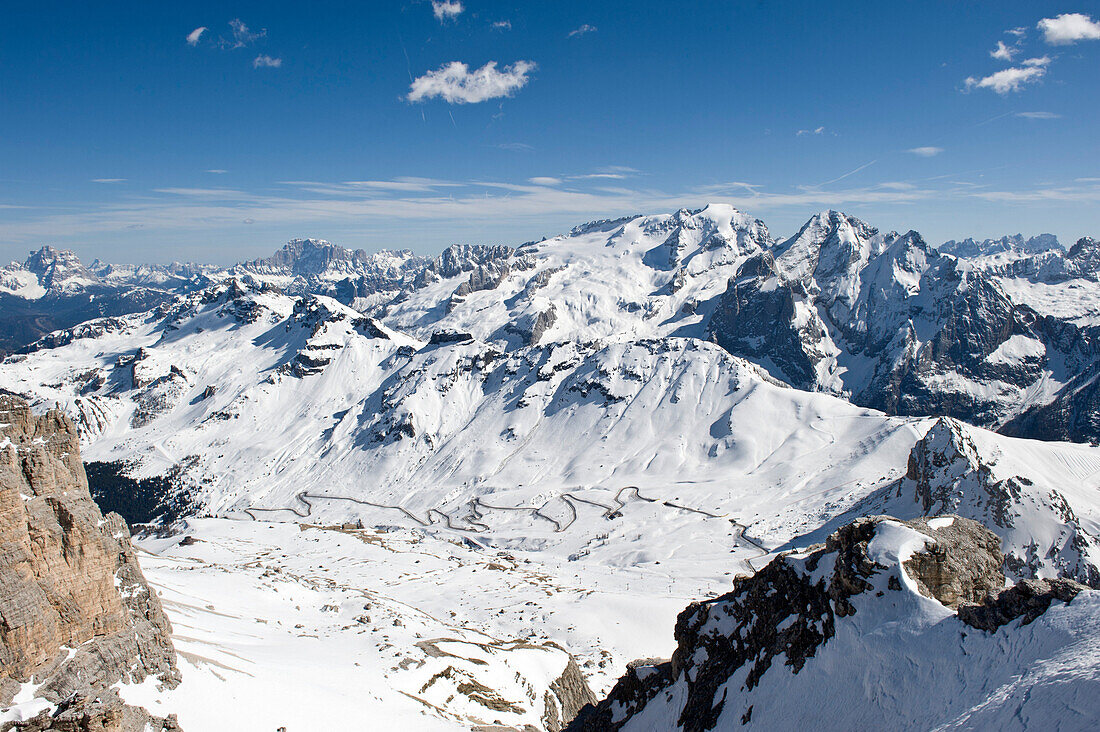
x=743 y=658
x=889 y=322
x=76 y=615
x=1007 y=245
x=568 y=695
x=509 y=685
x=950 y=472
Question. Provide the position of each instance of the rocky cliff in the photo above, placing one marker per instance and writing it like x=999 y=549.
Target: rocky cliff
x=76 y=614
x=888 y=623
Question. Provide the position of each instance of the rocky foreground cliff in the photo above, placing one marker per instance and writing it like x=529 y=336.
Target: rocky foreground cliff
x=900 y=624
x=76 y=614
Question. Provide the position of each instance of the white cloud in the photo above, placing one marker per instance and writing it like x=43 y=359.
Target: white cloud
x=502 y=25
x=194 y=36
x=446 y=9
x=1039 y=115
x=242 y=36
x=263 y=61
x=925 y=152
x=545 y=181
x=1018 y=32
x=1003 y=52
x=108 y=180
x=586 y=28
x=815 y=131
x=515 y=146
x=598 y=176
x=456 y=84
x=1013 y=78
x=1069 y=28
x=217 y=171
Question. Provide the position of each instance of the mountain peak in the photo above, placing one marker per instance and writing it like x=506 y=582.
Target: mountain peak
x=1011 y=244
x=47 y=256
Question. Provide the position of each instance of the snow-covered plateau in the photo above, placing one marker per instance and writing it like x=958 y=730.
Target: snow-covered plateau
x=465 y=492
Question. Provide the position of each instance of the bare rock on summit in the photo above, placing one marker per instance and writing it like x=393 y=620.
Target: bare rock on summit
x=963 y=566
x=810 y=624
x=76 y=614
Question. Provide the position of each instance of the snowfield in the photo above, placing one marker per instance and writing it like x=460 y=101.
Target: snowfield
x=363 y=624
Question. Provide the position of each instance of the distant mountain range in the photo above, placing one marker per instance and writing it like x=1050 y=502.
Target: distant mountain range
x=401 y=364
x=999 y=333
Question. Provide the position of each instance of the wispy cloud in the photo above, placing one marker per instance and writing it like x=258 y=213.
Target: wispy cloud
x=545 y=181
x=814 y=131
x=586 y=28
x=1085 y=193
x=446 y=9
x=108 y=180
x=1038 y=115
x=840 y=177
x=209 y=193
x=263 y=61
x=502 y=25
x=515 y=146
x=925 y=152
x=360 y=188
x=368 y=205
x=1069 y=28
x=1003 y=52
x=194 y=36
x=216 y=171
x=455 y=83
x=1012 y=79
x=241 y=35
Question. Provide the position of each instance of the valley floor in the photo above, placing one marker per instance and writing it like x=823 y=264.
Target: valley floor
x=304 y=627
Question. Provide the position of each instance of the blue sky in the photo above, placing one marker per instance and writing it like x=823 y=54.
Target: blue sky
x=380 y=125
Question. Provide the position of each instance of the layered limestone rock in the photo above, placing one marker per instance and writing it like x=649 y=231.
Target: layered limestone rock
x=1042 y=536
x=888 y=322
x=76 y=614
x=867 y=583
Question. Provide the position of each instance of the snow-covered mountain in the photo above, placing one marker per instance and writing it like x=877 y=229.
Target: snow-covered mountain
x=259 y=395
x=314 y=266
x=597 y=425
x=1007 y=247
x=1038 y=497
x=476 y=370
x=890 y=323
x=888 y=624
x=1000 y=333
x=52 y=289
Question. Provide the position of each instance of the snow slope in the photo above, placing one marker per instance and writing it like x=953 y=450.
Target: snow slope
x=260 y=397
x=365 y=624
x=849 y=637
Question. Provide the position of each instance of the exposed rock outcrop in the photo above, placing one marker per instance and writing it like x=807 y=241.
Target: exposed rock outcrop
x=1027 y=599
x=774 y=624
x=1041 y=533
x=76 y=615
x=890 y=323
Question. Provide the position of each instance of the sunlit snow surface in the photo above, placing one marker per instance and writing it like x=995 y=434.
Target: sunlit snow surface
x=310 y=628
